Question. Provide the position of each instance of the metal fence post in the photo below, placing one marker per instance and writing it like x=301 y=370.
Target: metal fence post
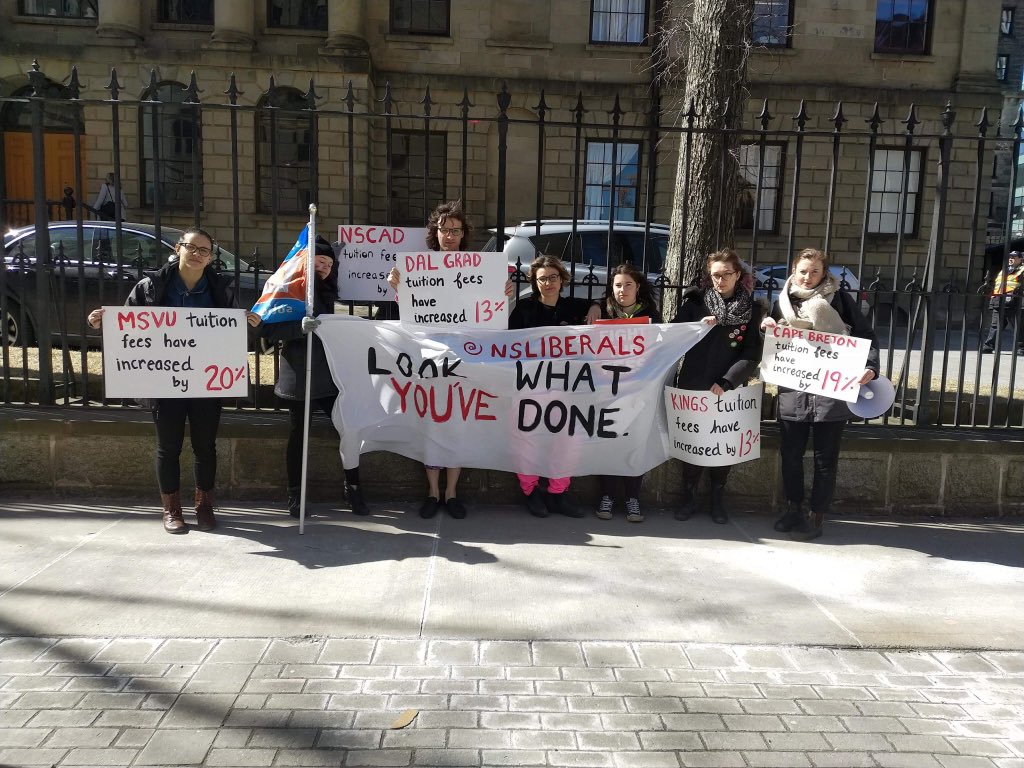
x=44 y=262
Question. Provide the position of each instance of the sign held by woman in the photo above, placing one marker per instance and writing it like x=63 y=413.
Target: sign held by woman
x=827 y=364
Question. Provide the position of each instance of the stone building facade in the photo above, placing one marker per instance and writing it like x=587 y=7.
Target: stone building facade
x=553 y=56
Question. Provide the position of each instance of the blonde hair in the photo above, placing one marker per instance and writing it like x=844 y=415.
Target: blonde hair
x=812 y=254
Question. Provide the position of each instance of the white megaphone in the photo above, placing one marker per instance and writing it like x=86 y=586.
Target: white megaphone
x=875 y=398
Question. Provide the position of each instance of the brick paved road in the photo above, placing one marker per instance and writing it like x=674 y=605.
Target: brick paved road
x=316 y=702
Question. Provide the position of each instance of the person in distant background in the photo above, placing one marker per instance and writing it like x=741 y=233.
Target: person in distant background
x=105 y=202
x=1005 y=303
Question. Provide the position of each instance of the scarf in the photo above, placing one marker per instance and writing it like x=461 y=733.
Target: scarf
x=618 y=312
x=735 y=310
x=814 y=309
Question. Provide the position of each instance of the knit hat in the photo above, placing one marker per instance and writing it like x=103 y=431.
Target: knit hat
x=323 y=248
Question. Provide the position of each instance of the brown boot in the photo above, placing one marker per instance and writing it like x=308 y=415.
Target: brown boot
x=205 y=520
x=173 y=520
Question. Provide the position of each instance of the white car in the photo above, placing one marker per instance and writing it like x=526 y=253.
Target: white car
x=587 y=247
x=768 y=281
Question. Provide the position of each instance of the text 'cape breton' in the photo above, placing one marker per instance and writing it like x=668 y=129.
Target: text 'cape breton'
x=553 y=401
x=284 y=295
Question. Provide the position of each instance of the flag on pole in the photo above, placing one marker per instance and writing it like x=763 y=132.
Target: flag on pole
x=284 y=295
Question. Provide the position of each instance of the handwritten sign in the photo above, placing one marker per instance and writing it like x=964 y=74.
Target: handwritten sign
x=455 y=288
x=827 y=364
x=712 y=431
x=368 y=254
x=151 y=352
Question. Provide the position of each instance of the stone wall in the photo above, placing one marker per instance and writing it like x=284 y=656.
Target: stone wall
x=883 y=470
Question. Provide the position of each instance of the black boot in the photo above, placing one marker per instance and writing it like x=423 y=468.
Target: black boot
x=790 y=519
x=294 y=499
x=689 y=502
x=718 y=513
x=355 y=499
x=809 y=527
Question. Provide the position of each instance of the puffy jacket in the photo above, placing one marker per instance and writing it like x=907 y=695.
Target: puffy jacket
x=149 y=291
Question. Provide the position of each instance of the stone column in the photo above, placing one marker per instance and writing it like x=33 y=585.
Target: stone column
x=234 y=23
x=346 y=28
x=120 y=19
x=980 y=31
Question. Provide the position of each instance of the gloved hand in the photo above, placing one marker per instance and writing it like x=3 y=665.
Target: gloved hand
x=310 y=324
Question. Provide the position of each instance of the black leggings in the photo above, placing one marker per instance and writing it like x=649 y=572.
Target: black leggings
x=793 y=437
x=692 y=473
x=610 y=483
x=203 y=415
x=293 y=453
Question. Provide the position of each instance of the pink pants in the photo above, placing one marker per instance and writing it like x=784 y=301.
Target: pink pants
x=555 y=484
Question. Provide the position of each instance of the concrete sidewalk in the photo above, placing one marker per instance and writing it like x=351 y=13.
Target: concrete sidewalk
x=517 y=641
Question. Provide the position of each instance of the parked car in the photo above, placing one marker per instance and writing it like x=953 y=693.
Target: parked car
x=769 y=279
x=588 y=246
x=107 y=279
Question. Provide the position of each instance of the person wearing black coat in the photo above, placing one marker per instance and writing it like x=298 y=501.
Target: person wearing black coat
x=291 y=379
x=187 y=280
x=629 y=296
x=724 y=359
x=811 y=299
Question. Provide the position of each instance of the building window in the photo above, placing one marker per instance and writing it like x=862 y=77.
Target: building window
x=297 y=14
x=285 y=153
x=171 y=143
x=417 y=176
x=597 y=189
x=1002 y=67
x=420 y=17
x=903 y=26
x=186 y=11
x=61 y=9
x=771 y=174
x=886 y=187
x=1006 y=22
x=772 y=23
x=618 y=21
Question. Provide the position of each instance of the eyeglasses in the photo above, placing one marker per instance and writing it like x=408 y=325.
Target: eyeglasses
x=202 y=250
x=549 y=279
x=450 y=231
x=722 y=276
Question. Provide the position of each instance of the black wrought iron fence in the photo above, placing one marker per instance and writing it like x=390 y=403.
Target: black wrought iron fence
x=900 y=202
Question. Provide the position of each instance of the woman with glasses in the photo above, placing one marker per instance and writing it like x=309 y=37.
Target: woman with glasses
x=187 y=280
x=811 y=299
x=547 y=306
x=724 y=359
x=448 y=229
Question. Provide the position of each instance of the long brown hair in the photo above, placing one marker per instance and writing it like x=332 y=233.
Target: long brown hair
x=644 y=293
x=547 y=262
x=452 y=209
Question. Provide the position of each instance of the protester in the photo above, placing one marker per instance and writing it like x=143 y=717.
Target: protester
x=185 y=281
x=546 y=307
x=1005 y=303
x=629 y=296
x=291 y=377
x=105 y=202
x=725 y=358
x=448 y=229
x=812 y=300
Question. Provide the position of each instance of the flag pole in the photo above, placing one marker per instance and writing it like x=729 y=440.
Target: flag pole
x=310 y=276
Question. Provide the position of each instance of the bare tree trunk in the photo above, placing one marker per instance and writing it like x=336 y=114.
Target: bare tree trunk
x=717 y=40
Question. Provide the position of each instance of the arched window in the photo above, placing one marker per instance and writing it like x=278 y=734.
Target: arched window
x=285 y=152
x=58 y=117
x=171 y=142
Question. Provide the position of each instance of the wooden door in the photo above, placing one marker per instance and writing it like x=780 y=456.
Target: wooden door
x=59 y=152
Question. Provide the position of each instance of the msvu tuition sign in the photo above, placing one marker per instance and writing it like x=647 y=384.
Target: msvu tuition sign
x=555 y=401
x=155 y=352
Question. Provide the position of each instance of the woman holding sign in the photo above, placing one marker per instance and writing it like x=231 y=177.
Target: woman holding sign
x=811 y=300
x=547 y=307
x=448 y=230
x=185 y=281
x=724 y=359
x=629 y=298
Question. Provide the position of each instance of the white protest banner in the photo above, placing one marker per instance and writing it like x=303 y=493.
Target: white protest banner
x=712 y=431
x=367 y=255
x=827 y=364
x=556 y=402
x=151 y=352
x=454 y=288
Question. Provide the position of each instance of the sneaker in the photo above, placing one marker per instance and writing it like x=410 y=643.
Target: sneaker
x=604 y=509
x=455 y=508
x=355 y=500
x=535 y=503
x=559 y=504
x=987 y=350
x=429 y=507
x=633 y=513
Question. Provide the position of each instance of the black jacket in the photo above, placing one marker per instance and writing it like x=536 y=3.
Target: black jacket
x=531 y=313
x=804 y=406
x=727 y=356
x=149 y=291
